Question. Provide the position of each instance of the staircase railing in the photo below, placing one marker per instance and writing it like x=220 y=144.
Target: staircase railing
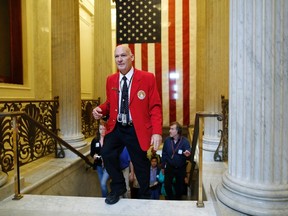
x=34 y=144
x=89 y=124
x=198 y=139
x=29 y=120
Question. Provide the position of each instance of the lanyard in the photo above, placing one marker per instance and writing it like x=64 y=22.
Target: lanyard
x=175 y=149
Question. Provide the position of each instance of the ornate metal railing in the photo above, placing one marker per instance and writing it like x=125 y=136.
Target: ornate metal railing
x=89 y=124
x=225 y=111
x=223 y=144
x=33 y=143
x=18 y=149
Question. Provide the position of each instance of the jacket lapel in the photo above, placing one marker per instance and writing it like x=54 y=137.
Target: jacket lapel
x=135 y=84
x=115 y=87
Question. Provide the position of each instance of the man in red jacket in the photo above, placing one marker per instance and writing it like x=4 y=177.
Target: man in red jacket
x=134 y=122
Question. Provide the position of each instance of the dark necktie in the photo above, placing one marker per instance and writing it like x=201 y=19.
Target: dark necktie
x=124 y=98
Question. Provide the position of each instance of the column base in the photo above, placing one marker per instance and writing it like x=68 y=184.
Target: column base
x=76 y=142
x=253 y=199
x=210 y=145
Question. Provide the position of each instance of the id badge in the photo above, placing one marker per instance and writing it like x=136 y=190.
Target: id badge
x=180 y=151
x=97 y=144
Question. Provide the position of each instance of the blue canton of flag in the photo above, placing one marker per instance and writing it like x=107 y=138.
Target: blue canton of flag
x=138 y=21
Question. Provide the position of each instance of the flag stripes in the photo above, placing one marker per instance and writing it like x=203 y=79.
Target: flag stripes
x=172 y=61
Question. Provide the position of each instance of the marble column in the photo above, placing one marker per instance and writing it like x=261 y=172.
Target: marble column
x=66 y=69
x=104 y=53
x=256 y=182
x=216 y=70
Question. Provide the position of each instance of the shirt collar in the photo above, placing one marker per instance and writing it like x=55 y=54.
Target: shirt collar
x=128 y=75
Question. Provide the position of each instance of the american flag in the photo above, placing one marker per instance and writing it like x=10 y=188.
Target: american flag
x=172 y=59
x=138 y=21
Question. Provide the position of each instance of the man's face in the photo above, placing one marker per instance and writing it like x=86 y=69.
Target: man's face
x=173 y=131
x=123 y=59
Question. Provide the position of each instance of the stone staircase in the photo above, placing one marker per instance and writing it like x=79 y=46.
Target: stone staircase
x=48 y=205
x=67 y=187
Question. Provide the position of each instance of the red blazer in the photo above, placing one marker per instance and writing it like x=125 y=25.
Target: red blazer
x=145 y=105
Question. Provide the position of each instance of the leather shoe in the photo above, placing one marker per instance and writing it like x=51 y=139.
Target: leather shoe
x=113 y=197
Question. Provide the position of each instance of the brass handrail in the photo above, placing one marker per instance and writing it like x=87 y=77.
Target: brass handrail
x=49 y=132
x=198 y=138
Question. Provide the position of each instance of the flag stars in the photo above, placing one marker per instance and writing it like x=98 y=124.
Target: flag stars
x=138 y=21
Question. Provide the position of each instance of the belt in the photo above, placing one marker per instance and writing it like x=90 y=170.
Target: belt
x=129 y=124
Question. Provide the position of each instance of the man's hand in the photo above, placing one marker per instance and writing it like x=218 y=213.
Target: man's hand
x=156 y=140
x=187 y=153
x=97 y=113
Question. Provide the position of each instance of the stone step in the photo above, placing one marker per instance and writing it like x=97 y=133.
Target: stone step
x=48 y=205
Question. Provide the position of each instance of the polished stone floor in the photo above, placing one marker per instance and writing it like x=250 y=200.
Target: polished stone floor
x=36 y=205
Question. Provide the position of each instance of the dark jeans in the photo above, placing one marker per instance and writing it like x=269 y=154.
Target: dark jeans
x=179 y=175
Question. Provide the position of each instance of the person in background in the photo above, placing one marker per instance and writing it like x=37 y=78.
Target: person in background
x=154 y=175
x=176 y=149
x=133 y=105
x=152 y=153
x=95 y=153
x=134 y=185
x=125 y=165
x=161 y=180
